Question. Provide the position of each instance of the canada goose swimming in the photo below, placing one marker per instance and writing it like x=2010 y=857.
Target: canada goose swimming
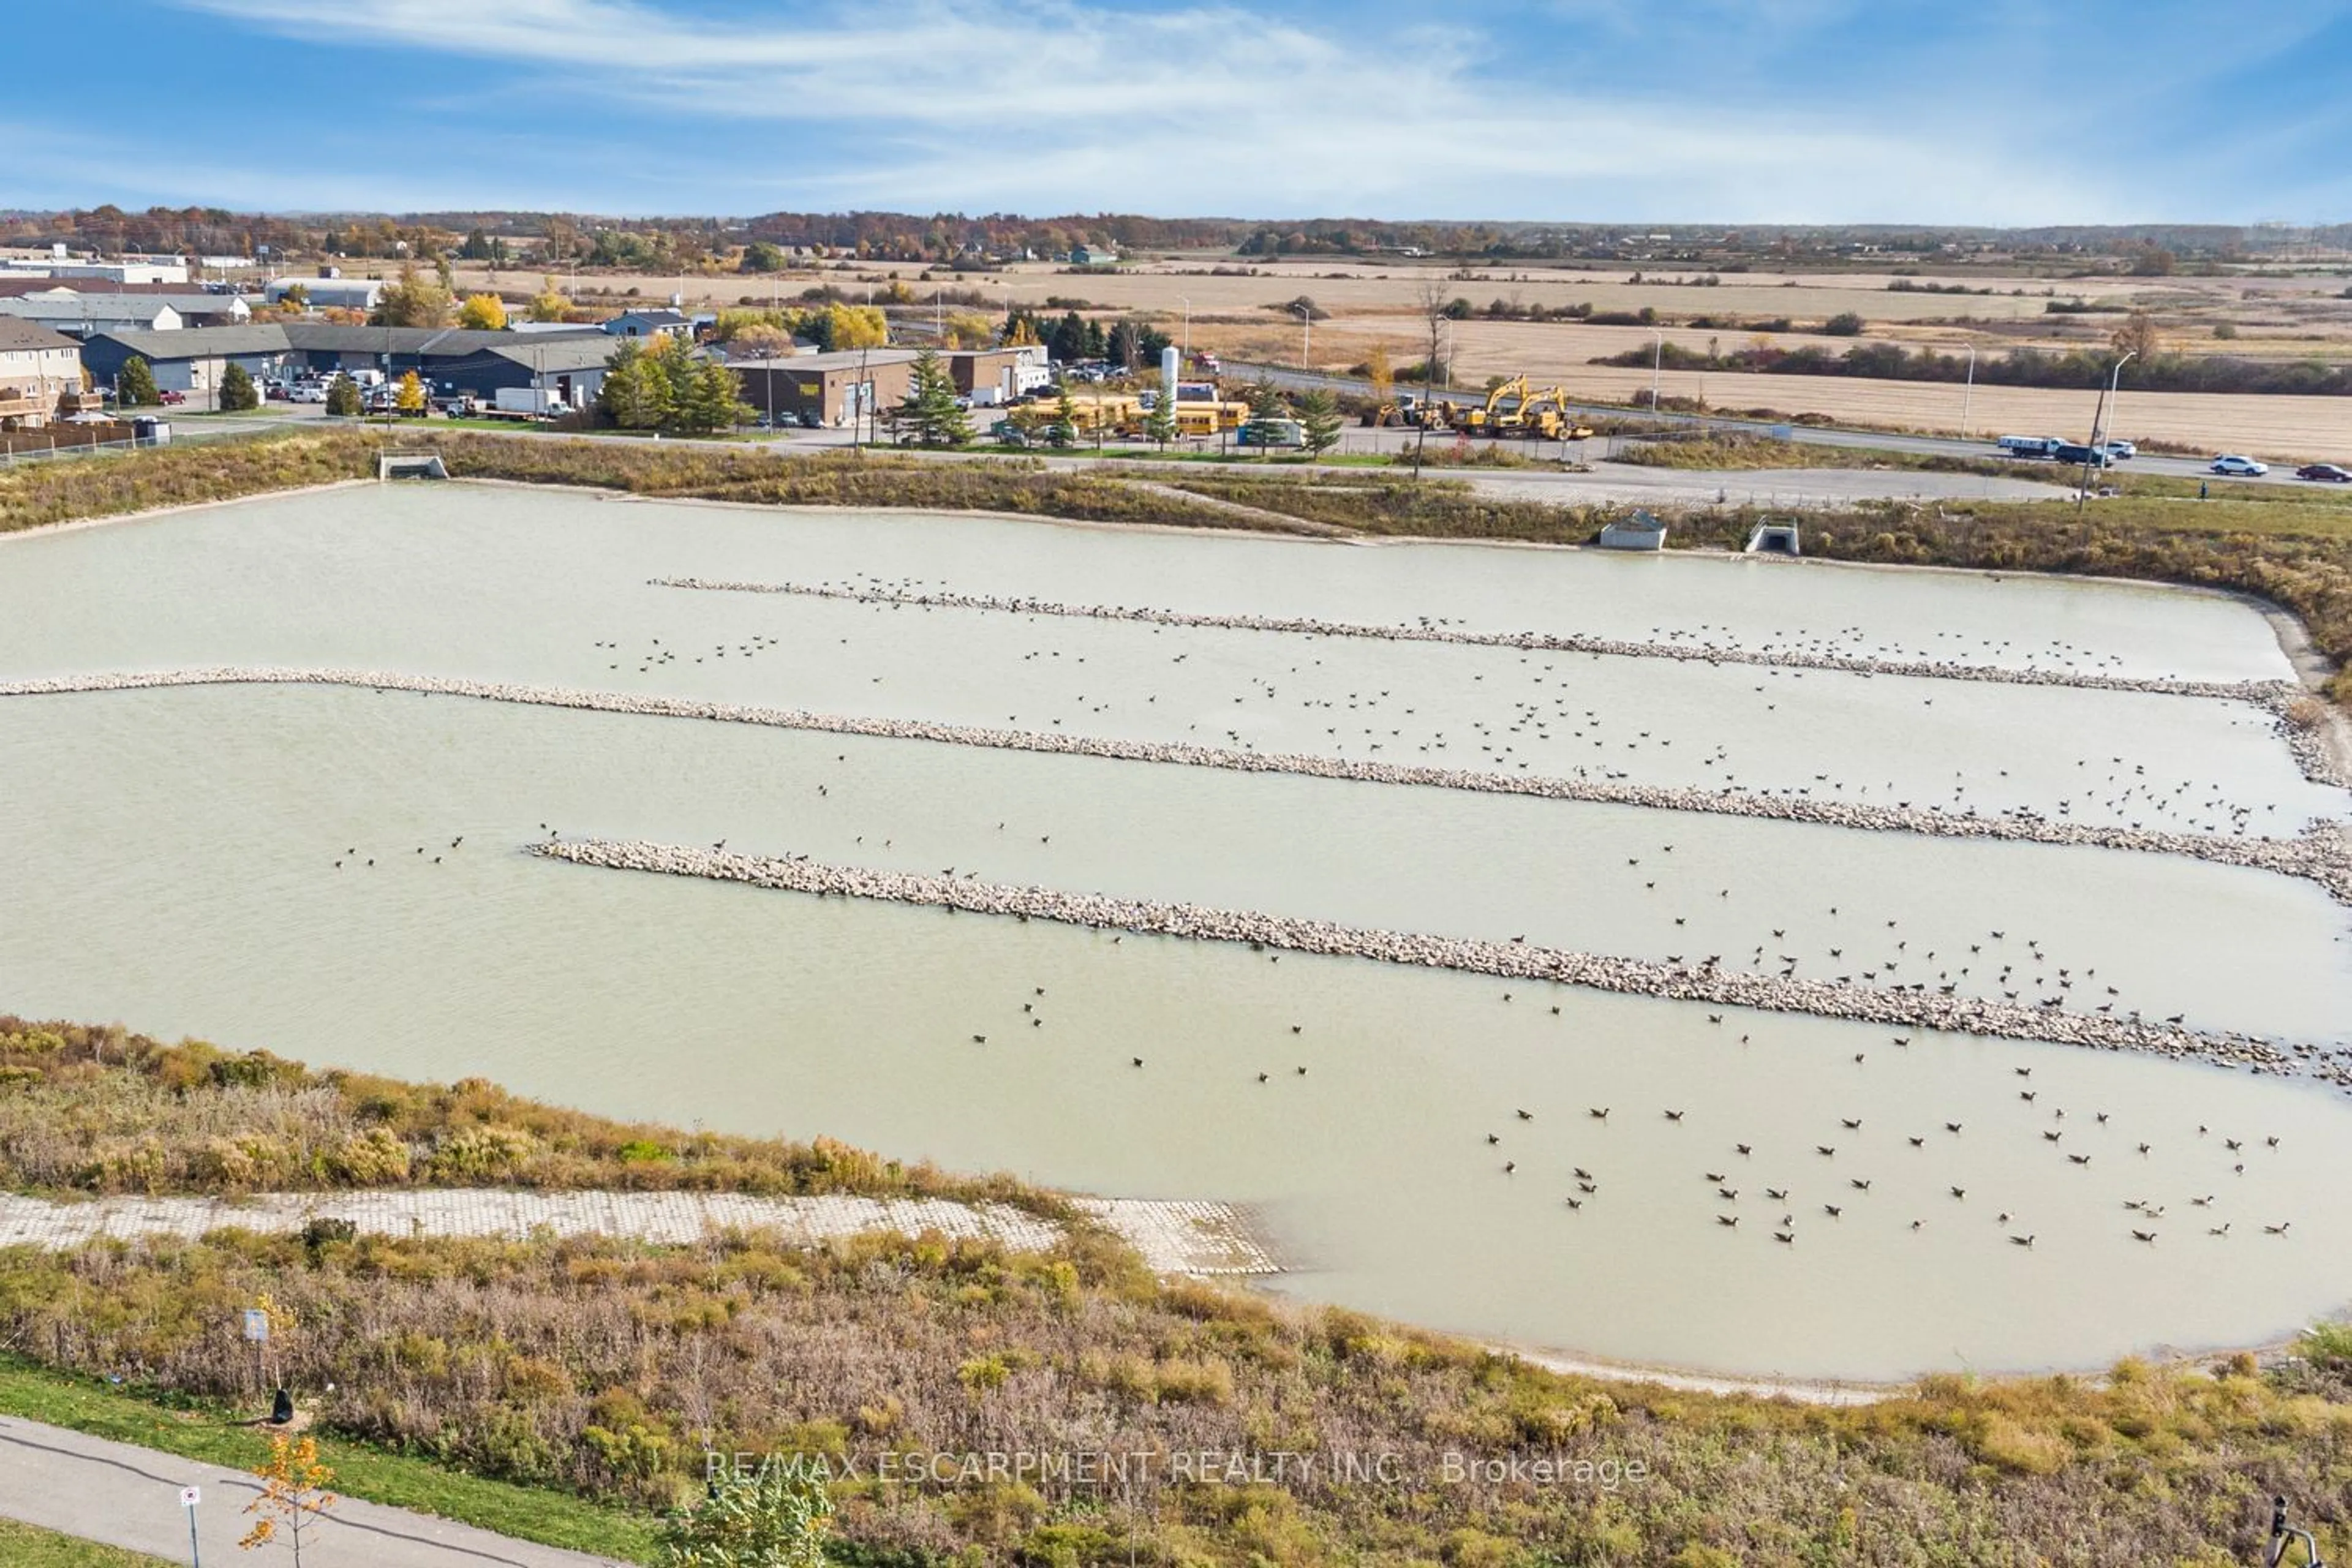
x=1785 y=1237
x=1729 y=1195
x=1951 y=1127
x=1718 y=1178
x=1742 y=1148
x=1581 y=1174
x=2143 y=1235
x=1832 y=1210
x=2278 y=1230
x=1851 y=1123
x=2021 y=1241
x=1959 y=1191
x=1727 y=1219
x=1576 y=1202
x=2052 y=1137
x=1858 y=1184
x=1918 y=1143
x=1599 y=1114
x=1673 y=1116
x=1777 y=1195
x=1823 y=1148
x=2080 y=1159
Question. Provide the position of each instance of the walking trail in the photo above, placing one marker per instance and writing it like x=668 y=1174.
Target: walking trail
x=130 y=1497
x=1173 y=1237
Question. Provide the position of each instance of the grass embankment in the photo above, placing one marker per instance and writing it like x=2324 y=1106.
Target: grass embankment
x=154 y=1414
x=23 y=1546
x=563 y=1390
x=2292 y=546
x=97 y=1110
x=1740 y=451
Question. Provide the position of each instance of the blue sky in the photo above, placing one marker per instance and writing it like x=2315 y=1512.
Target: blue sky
x=1742 y=111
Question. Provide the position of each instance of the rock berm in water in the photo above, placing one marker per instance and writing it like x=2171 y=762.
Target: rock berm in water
x=2322 y=853
x=1510 y=959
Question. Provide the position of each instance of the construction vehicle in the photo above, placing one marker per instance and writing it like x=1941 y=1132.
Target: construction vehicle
x=1544 y=416
x=1488 y=419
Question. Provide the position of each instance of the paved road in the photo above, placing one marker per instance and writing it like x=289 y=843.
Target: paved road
x=130 y=1497
x=1809 y=435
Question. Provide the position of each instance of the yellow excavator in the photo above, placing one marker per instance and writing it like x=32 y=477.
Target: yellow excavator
x=1544 y=417
x=1489 y=419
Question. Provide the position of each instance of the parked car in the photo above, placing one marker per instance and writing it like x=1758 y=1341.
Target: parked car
x=168 y=396
x=2326 y=473
x=2232 y=466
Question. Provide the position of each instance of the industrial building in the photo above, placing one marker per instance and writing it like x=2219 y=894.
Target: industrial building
x=193 y=360
x=330 y=293
x=86 y=315
x=836 y=387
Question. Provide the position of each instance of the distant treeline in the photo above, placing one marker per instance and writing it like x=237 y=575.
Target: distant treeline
x=2019 y=367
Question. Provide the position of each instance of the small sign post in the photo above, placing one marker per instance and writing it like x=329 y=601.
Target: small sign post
x=257 y=1333
x=189 y=1498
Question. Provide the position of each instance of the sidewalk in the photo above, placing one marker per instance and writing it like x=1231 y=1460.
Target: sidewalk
x=130 y=1497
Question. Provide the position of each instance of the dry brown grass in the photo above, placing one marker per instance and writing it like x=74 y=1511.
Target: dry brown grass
x=88 y=1110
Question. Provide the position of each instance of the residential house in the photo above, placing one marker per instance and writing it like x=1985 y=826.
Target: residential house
x=37 y=367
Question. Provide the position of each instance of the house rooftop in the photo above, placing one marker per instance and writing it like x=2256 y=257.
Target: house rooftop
x=18 y=335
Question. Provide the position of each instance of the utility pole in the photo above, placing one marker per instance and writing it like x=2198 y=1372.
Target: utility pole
x=1967 y=391
x=1188 y=329
x=1657 y=363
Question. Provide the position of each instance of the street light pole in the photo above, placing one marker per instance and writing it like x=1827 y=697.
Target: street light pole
x=2092 y=454
x=1188 y=329
x=1967 y=391
x=1657 y=363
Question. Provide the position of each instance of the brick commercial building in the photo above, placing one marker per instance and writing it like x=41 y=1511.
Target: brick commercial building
x=836 y=387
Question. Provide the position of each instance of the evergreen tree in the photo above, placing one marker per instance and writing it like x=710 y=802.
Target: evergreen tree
x=343 y=397
x=931 y=406
x=708 y=401
x=237 y=392
x=1063 y=430
x=1069 y=343
x=635 y=395
x=1266 y=401
x=1121 y=348
x=134 y=384
x=1160 y=424
x=1318 y=414
x=1097 y=341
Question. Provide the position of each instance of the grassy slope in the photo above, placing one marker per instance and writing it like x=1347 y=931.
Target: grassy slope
x=198 y=1430
x=90 y=1110
x=22 y=1546
x=561 y=1390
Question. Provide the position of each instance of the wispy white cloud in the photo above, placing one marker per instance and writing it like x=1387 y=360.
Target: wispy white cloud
x=1203 y=107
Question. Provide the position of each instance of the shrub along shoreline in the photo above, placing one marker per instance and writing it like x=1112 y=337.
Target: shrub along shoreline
x=564 y=1389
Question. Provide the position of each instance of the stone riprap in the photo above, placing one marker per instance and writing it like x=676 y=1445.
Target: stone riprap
x=1706 y=983
x=2322 y=853
x=2274 y=697
x=1173 y=1238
